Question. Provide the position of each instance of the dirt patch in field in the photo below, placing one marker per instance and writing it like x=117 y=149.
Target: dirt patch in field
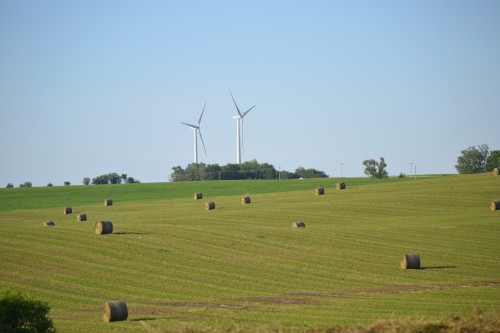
x=195 y=304
x=322 y=298
x=398 y=289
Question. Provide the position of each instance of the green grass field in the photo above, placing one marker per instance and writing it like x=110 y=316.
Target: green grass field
x=243 y=266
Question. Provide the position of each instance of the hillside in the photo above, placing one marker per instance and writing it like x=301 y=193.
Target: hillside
x=178 y=265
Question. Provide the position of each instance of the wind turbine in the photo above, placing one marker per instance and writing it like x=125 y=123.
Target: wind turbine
x=196 y=129
x=239 y=129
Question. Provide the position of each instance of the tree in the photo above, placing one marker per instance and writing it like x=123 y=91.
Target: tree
x=10 y=185
x=124 y=177
x=370 y=167
x=100 y=180
x=472 y=160
x=375 y=169
x=381 y=169
x=49 y=185
x=86 y=181
x=114 y=178
x=19 y=314
x=67 y=183
x=493 y=161
x=25 y=184
x=302 y=172
x=131 y=180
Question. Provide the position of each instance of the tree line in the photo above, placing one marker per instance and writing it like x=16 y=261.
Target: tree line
x=247 y=170
x=477 y=159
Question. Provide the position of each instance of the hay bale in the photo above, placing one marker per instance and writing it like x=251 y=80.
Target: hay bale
x=210 y=205
x=496 y=172
x=299 y=224
x=103 y=227
x=341 y=186
x=495 y=205
x=49 y=224
x=81 y=217
x=198 y=195
x=245 y=200
x=108 y=202
x=319 y=191
x=67 y=210
x=410 y=261
x=115 y=311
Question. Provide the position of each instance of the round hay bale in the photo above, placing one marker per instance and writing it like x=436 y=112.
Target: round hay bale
x=49 y=224
x=67 y=210
x=198 y=195
x=496 y=172
x=210 y=205
x=115 y=311
x=108 y=202
x=495 y=205
x=410 y=261
x=245 y=200
x=103 y=227
x=319 y=191
x=341 y=186
x=81 y=217
x=299 y=224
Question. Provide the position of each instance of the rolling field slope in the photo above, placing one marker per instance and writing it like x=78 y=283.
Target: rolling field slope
x=178 y=265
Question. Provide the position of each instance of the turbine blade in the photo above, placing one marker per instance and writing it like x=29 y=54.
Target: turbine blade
x=235 y=104
x=201 y=137
x=192 y=126
x=244 y=114
x=199 y=121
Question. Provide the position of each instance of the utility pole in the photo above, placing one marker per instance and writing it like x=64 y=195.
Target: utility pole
x=411 y=169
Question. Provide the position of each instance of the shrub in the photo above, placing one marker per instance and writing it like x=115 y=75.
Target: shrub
x=21 y=315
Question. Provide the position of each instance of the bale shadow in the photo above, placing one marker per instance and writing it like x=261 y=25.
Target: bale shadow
x=142 y=319
x=129 y=233
x=437 y=267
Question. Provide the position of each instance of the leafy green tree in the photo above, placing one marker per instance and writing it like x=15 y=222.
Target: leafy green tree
x=66 y=183
x=10 y=185
x=472 y=160
x=86 y=181
x=371 y=167
x=21 y=315
x=214 y=171
x=178 y=174
x=381 y=169
x=100 y=180
x=25 y=184
x=375 y=169
x=131 y=180
x=114 y=178
x=49 y=185
x=493 y=161
x=309 y=173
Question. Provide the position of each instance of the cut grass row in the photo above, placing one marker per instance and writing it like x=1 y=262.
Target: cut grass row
x=176 y=264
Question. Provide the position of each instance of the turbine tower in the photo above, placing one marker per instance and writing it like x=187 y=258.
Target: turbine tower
x=196 y=130
x=239 y=129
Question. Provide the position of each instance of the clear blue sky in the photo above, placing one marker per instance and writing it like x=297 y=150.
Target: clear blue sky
x=93 y=87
